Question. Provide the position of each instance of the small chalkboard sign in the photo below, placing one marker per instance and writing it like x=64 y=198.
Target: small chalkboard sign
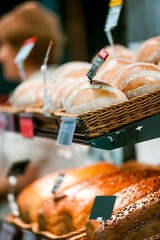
x=18 y=168
x=102 y=208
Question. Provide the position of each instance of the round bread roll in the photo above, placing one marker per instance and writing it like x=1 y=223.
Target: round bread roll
x=149 y=51
x=137 y=79
x=122 y=52
x=65 y=75
x=74 y=69
x=28 y=93
x=108 y=69
x=84 y=97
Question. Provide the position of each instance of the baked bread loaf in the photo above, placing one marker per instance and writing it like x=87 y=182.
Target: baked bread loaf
x=149 y=51
x=137 y=79
x=126 y=196
x=133 y=165
x=108 y=69
x=71 y=212
x=41 y=189
x=64 y=76
x=84 y=97
x=138 y=220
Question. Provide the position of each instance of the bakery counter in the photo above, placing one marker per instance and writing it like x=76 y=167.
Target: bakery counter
x=48 y=127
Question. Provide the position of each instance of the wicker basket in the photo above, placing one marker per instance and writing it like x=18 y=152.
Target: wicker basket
x=155 y=237
x=101 y=121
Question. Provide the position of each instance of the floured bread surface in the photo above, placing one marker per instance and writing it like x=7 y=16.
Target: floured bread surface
x=28 y=93
x=149 y=51
x=72 y=69
x=64 y=76
x=137 y=79
x=108 y=69
x=84 y=97
x=122 y=52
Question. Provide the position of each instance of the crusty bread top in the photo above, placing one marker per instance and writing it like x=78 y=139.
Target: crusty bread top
x=149 y=51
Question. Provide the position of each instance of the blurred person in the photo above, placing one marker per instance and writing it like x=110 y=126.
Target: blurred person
x=25 y=21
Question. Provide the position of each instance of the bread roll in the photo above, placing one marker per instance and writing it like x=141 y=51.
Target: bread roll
x=41 y=189
x=138 y=220
x=64 y=76
x=137 y=79
x=72 y=69
x=149 y=51
x=108 y=69
x=71 y=212
x=28 y=93
x=84 y=97
x=122 y=53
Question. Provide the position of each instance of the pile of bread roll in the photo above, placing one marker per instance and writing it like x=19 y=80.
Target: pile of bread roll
x=128 y=75
x=136 y=213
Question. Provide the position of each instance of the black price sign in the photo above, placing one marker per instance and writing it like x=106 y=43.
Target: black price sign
x=102 y=208
x=18 y=168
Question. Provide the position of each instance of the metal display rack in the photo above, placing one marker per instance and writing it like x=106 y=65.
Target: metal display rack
x=136 y=132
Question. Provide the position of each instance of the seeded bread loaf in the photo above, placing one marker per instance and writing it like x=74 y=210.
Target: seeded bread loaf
x=138 y=220
x=71 y=212
x=127 y=196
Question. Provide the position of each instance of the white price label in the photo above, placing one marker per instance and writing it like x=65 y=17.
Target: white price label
x=2 y=123
x=112 y=18
x=25 y=50
x=66 y=131
x=27 y=235
x=7 y=231
x=113 y=14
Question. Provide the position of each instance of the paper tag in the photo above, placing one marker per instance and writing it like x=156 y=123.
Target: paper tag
x=102 y=207
x=27 y=235
x=58 y=182
x=26 y=126
x=18 y=168
x=3 y=123
x=113 y=14
x=10 y=122
x=25 y=49
x=66 y=131
x=102 y=55
x=7 y=231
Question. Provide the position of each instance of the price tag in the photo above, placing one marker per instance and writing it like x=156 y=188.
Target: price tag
x=25 y=49
x=10 y=122
x=113 y=14
x=26 y=126
x=3 y=123
x=58 y=182
x=102 y=55
x=7 y=231
x=18 y=168
x=66 y=131
x=102 y=208
x=27 y=235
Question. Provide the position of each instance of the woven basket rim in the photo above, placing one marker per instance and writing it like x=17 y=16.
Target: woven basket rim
x=60 y=111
